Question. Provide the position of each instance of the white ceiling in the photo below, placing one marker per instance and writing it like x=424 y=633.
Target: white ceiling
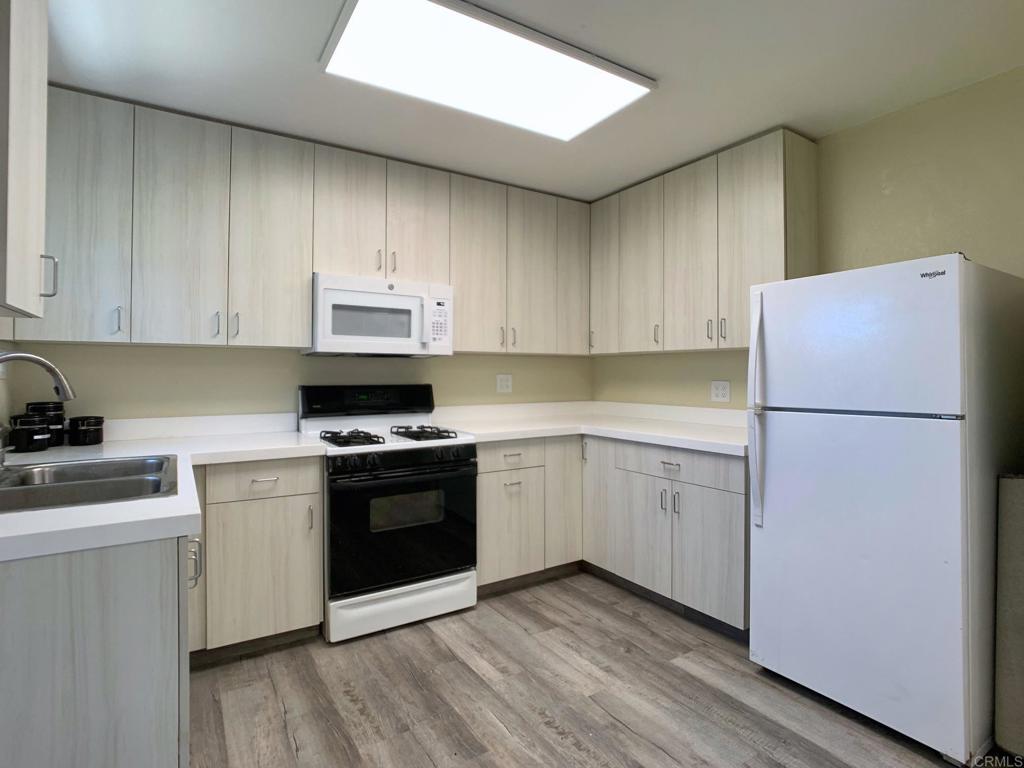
x=726 y=69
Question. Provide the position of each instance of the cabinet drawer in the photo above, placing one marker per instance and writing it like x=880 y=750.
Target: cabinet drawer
x=512 y=454
x=727 y=473
x=263 y=479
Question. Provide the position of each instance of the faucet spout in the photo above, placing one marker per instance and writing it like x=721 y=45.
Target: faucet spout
x=61 y=386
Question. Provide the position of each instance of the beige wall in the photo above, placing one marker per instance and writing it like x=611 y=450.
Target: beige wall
x=137 y=381
x=674 y=378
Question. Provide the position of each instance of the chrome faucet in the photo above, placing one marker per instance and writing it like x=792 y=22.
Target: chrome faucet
x=61 y=387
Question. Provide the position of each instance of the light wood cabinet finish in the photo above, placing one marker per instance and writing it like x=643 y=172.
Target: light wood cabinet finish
x=271 y=249
x=479 y=250
x=417 y=223
x=572 y=282
x=604 y=276
x=88 y=220
x=691 y=256
x=23 y=56
x=265 y=567
x=263 y=479
x=349 y=212
x=510 y=454
x=90 y=643
x=532 y=271
x=640 y=532
x=641 y=272
x=180 y=229
x=197 y=593
x=713 y=470
x=801 y=205
x=709 y=552
x=510 y=524
x=601 y=499
x=563 y=500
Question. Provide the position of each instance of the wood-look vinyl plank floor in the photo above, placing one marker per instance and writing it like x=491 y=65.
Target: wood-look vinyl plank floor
x=573 y=672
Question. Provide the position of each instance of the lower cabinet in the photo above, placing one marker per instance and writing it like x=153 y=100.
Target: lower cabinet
x=510 y=524
x=640 y=531
x=197 y=582
x=563 y=500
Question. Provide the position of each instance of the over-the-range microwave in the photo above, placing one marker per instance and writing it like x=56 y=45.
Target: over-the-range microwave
x=371 y=316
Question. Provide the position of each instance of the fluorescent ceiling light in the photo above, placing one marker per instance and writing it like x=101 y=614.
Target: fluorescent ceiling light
x=459 y=55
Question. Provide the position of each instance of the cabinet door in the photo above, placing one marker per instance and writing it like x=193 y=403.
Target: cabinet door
x=573 y=280
x=600 y=499
x=88 y=220
x=691 y=256
x=532 y=270
x=349 y=212
x=604 y=276
x=510 y=524
x=197 y=591
x=709 y=552
x=640 y=532
x=479 y=232
x=180 y=229
x=751 y=231
x=271 y=244
x=23 y=51
x=264 y=567
x=641 y=256
x=418 y=223
x=563 y=500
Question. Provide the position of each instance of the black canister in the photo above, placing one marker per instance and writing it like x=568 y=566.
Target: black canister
x=30 y=432
x=85 y=430
x=54 y=411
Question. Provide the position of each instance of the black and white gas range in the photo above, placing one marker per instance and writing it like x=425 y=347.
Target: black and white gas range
x=400 y=492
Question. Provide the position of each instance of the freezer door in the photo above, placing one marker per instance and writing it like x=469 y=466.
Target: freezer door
x=856 y=578
x=878 y=339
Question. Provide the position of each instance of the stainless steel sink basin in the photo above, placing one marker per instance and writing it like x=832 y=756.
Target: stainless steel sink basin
x=61 y=484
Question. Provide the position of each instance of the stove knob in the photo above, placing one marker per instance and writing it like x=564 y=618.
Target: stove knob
x=373 y=460
x=439 y=453
x=456 y=453
x=351 y=462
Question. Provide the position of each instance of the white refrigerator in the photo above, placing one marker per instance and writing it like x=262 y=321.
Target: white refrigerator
x=882 y=404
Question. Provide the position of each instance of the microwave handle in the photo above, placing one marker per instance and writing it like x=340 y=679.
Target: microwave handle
x=425 y=335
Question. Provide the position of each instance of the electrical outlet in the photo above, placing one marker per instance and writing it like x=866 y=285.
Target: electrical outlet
x=720 y=392
x=504 y=383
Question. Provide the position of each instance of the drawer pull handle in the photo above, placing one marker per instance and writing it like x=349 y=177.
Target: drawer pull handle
x=195 y=557
x=515 y=482
x=675 y=502
x=311 y=517
x=675 y=464
x=510 y=455
x=264 y=479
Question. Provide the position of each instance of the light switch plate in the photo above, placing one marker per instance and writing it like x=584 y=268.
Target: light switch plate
x=720 y=392
x=504 y=383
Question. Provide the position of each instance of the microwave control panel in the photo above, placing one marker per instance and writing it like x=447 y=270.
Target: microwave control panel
x=440 y=320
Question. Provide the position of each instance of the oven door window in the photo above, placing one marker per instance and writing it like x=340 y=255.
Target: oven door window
x=371 y=322
x=384 y=532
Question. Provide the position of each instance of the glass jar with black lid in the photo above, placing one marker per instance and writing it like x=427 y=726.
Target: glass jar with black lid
x=85 y=430
x=54 y=412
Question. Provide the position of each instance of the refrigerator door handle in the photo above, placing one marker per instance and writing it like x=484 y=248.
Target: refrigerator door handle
x=756 y=488
x=755 y=406
x=754 y=401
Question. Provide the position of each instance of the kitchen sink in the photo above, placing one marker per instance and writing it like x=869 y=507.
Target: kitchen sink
x=61 y=484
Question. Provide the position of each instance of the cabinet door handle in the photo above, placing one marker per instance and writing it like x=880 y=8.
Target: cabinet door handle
x=56 y=274
x=515 y=482
x=217 y=332
x=380 y=260
x=195 y=556
x=119 y=310
x=502 y=330
x=264 y=480
x=675 y=502
x=510 y=455
x=664 y=499
x=711 y=333
x=584 y=450
x=394 y=261
x=238 y=324
x=721 y=327
x=513 y=336
x=656 y=333
x=591 y=338
x=311 y=517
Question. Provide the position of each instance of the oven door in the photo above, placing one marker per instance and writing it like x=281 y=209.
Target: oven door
x=367 y=316
x=391 y=529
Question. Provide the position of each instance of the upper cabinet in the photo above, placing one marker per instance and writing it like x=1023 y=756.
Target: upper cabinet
x=23 y=56
x=691 y=256
x=88 y=220
x=641 y=264
x=767 y=223
x=479 y=232
x=604 y=276
x=573 y=278
x=271 y=249
x=532 y=271
x=349 y=213
x=418 y=206
x=180 y=229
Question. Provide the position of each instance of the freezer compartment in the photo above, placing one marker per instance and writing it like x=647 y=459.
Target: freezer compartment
x=857 y=569
x=881 y=339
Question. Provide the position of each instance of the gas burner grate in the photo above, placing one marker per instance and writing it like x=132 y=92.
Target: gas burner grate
x=423 y=432
x=352 y=437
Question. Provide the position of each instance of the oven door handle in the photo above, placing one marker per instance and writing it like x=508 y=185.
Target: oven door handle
x=377 y=481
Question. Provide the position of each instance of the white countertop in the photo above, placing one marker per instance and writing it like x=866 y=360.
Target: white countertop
x=225 y=439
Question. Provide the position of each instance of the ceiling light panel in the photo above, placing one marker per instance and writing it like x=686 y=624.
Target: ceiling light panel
x=479 y=63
